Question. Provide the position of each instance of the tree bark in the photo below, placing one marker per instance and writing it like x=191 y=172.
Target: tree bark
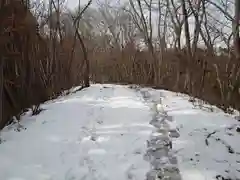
x=236 y=29
x=186 y=26
x=187 y=84
x=1 y=90
x=86 y=60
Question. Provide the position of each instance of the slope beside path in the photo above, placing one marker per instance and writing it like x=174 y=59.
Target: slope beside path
x=113 y=132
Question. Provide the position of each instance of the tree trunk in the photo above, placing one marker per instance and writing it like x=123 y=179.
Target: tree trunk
x=86 y=60
x=187 y=84
x=186 y=26
x=1 y=90
x=236 y=29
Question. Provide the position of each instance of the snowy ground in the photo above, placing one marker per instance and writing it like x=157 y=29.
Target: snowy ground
x=112 y=132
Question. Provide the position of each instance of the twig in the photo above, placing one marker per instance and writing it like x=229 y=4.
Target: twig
x=208 y=136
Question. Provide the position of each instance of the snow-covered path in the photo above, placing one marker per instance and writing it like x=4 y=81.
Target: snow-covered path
x=98 y=133
x=108 y=132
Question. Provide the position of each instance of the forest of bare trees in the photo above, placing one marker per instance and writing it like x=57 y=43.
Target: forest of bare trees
x=189 y=46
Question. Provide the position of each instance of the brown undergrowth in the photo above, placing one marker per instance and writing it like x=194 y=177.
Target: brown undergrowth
x=35 y=68
x=213 y=78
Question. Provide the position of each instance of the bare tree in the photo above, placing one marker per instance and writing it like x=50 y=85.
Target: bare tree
x=162 y=33
x=84 y=50
x=198 y=23
x=176 y=20
x=146 y=29
x=222 y=6
x=186 y=28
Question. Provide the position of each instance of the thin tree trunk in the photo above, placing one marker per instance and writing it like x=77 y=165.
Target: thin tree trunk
x=84 y=49
x=236 y=29
x=1 y=90
x=198 y=23
x=187 y=84
x=186 y=26
x=85 y=56
x=1 y=73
